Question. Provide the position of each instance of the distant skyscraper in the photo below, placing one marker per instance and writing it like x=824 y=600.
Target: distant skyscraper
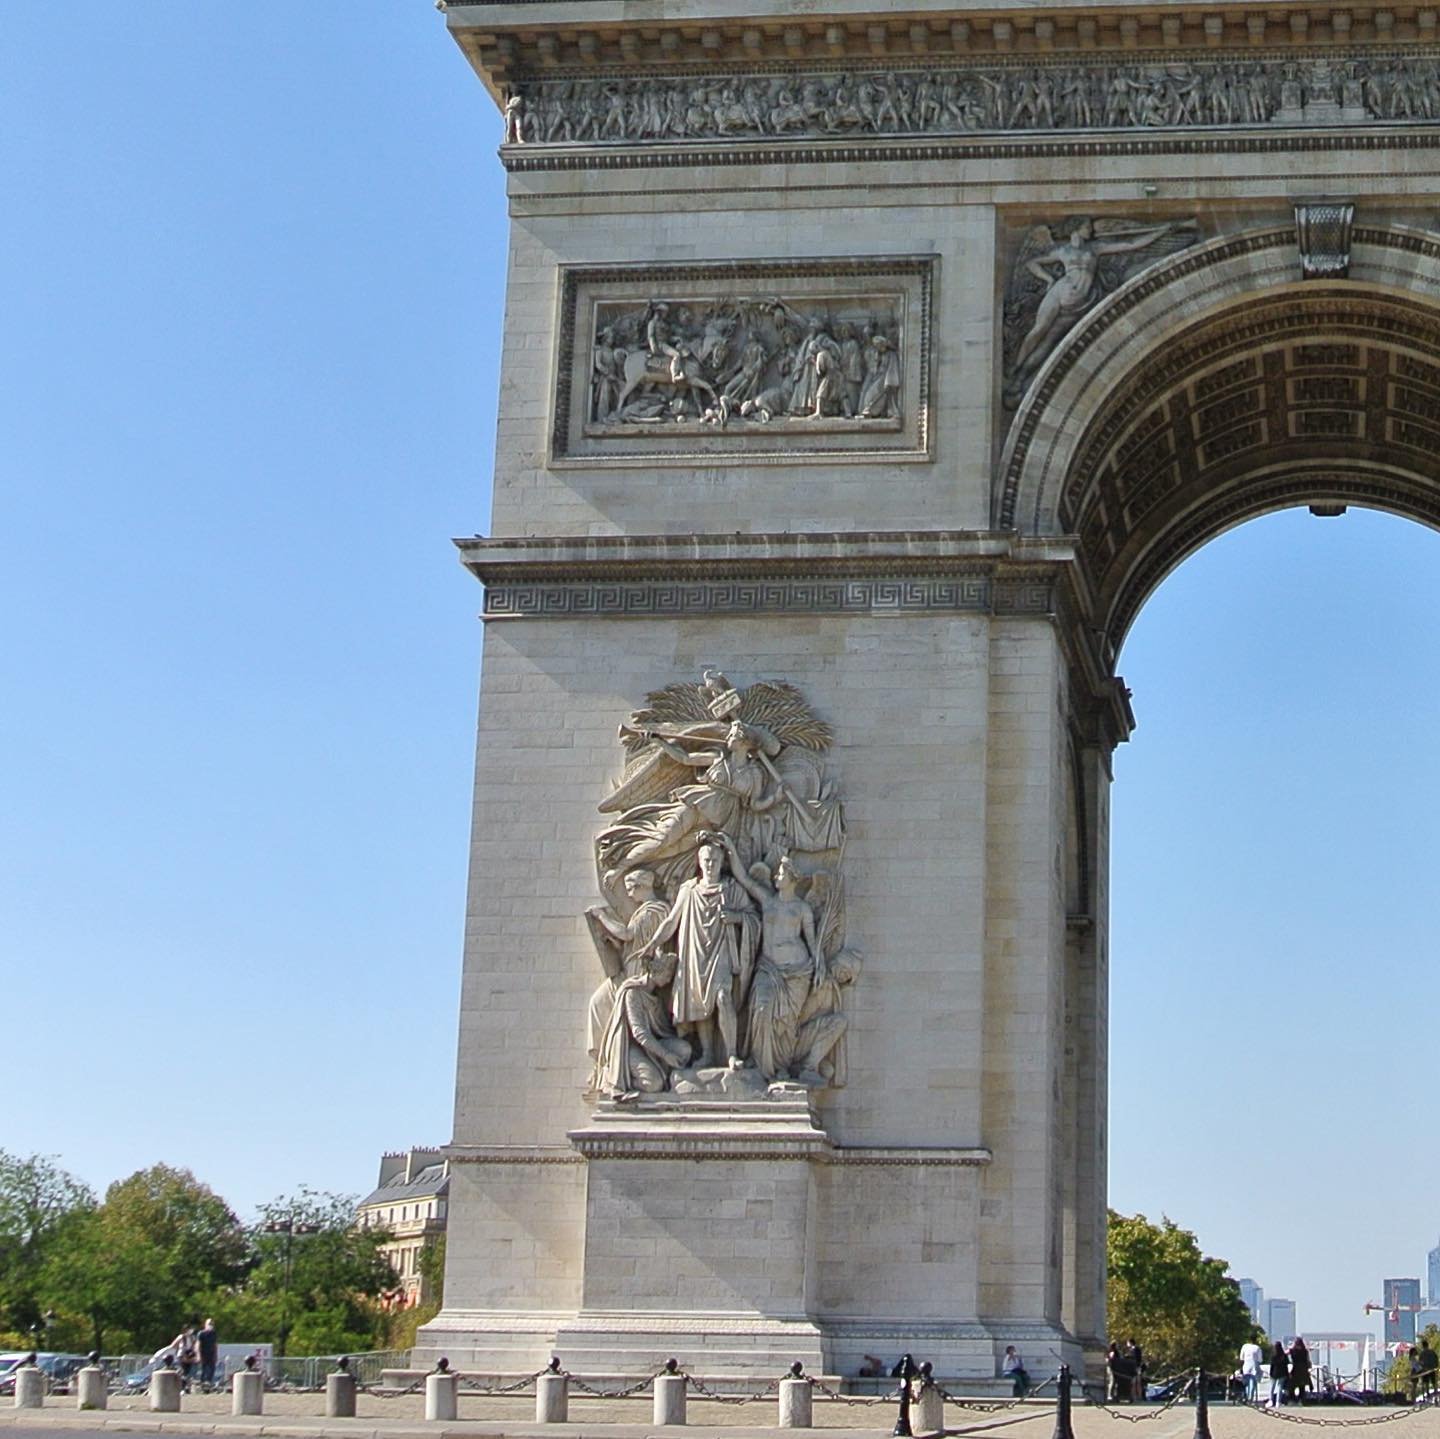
x=1402 y=1301
x=1432 y=1269
x=1252 y=1296
x=1280 y=1319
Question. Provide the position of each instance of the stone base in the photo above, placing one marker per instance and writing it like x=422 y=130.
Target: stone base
x=710 y=1224
x=619 y=1347
x=704 y=1343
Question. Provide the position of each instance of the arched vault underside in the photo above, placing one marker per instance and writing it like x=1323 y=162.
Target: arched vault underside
x=1219 y=386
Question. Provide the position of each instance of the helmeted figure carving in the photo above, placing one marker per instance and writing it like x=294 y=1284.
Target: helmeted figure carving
x=756 y=967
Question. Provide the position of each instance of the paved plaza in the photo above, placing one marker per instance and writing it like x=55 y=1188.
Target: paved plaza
x=300 y=1416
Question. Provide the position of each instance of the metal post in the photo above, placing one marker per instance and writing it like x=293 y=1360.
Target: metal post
x=1202 y=1407
x=904 y=1371
x=1063 y=1427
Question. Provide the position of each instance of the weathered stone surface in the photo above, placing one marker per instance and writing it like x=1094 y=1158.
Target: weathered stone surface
x=1113 y=340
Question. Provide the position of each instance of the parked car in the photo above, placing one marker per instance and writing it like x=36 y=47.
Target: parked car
x=60 y=1368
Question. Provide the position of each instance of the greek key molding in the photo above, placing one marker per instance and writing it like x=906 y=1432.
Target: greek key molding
x=871 y=595
x=892 y=1156
x=510 y=1154
x=590 y=294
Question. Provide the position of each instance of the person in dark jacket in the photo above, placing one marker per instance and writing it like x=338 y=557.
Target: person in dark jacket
x=1136 y=1355
x=1299 y=1370
x=1122 y=1374
x=1279 y=1374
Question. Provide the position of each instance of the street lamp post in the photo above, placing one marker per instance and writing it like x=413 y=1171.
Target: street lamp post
x=290 y=1226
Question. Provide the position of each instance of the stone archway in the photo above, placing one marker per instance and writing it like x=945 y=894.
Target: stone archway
x=1220 y=385
x=1213 y=388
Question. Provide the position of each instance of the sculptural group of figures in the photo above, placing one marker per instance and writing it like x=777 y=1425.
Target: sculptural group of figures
x=722 y=934
x=718 y=361
x=1056 y=97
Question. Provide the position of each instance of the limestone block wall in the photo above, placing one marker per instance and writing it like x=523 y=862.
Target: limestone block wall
x=945 y=728
x=658 y=230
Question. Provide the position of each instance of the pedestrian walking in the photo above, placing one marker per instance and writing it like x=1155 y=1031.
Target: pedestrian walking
x=1252 y=1357
x=1299 y=1370
x=1279 y=1374
x=207 y=1341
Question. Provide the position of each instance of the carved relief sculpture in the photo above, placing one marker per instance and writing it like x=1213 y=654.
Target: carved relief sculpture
x=747 y=361
x=1163 y=94
x=722 y=935
x=1054 y=283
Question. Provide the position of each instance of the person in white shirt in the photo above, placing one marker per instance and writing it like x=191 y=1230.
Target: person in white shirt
x=1252 y=1360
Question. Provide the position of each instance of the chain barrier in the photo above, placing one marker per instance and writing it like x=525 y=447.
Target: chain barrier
x=768 y=1392
x=1182 y=1391
x=850 y=1400
x=628 y=1392
x=988 y=1406
x=1281 y=1413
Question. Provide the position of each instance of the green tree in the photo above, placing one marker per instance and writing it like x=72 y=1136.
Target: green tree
x=144 y=1262
x=318 y=1274
x=1183 y=1308
x=38 y=1202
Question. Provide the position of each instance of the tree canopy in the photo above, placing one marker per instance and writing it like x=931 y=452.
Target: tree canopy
x=163 y=1249
x=1184 y=1308
x=38 y=1201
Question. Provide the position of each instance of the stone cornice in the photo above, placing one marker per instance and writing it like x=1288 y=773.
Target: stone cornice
x=505 y=42
x=510 y=1154
x=1076 y=145
x=810 y=554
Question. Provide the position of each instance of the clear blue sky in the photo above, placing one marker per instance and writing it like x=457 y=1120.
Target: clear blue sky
x=254 y=260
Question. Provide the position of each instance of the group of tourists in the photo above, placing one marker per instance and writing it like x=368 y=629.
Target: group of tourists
x=190 y=1349
x=1289 y=1372
x=1424 y=1370
x=1126 y=1365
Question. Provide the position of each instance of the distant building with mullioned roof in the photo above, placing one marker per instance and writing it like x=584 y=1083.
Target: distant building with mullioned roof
x=409 y=1201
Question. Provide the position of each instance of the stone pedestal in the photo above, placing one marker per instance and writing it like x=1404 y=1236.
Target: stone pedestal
x=165 y=1391
x=929 y=1411
x=552 y=1399
x=795 y=1403
x=440 y=1396
x=713 y=1259
x=669 y=1399
x=92 y=1388
x=340 y=1396
x=29 y=1387
x=247 y=1392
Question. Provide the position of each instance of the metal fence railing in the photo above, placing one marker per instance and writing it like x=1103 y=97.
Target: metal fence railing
x=131 y=1372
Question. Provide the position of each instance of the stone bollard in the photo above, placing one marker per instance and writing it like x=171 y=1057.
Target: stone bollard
x=92 y=1387
x=165 y=1391
x=930 y=1413
x=247 y=1392
x=340 y=1392
x=669 y=1395
x=795 y=1399
x=440 y=1393
x=552 y=1396
x=29 y=1387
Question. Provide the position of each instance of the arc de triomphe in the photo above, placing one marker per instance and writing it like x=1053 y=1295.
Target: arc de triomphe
x=865 y=368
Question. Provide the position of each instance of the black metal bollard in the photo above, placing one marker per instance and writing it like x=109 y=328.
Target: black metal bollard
x=904 y=1371
x=1202 y=1407
x=1064 y=1429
